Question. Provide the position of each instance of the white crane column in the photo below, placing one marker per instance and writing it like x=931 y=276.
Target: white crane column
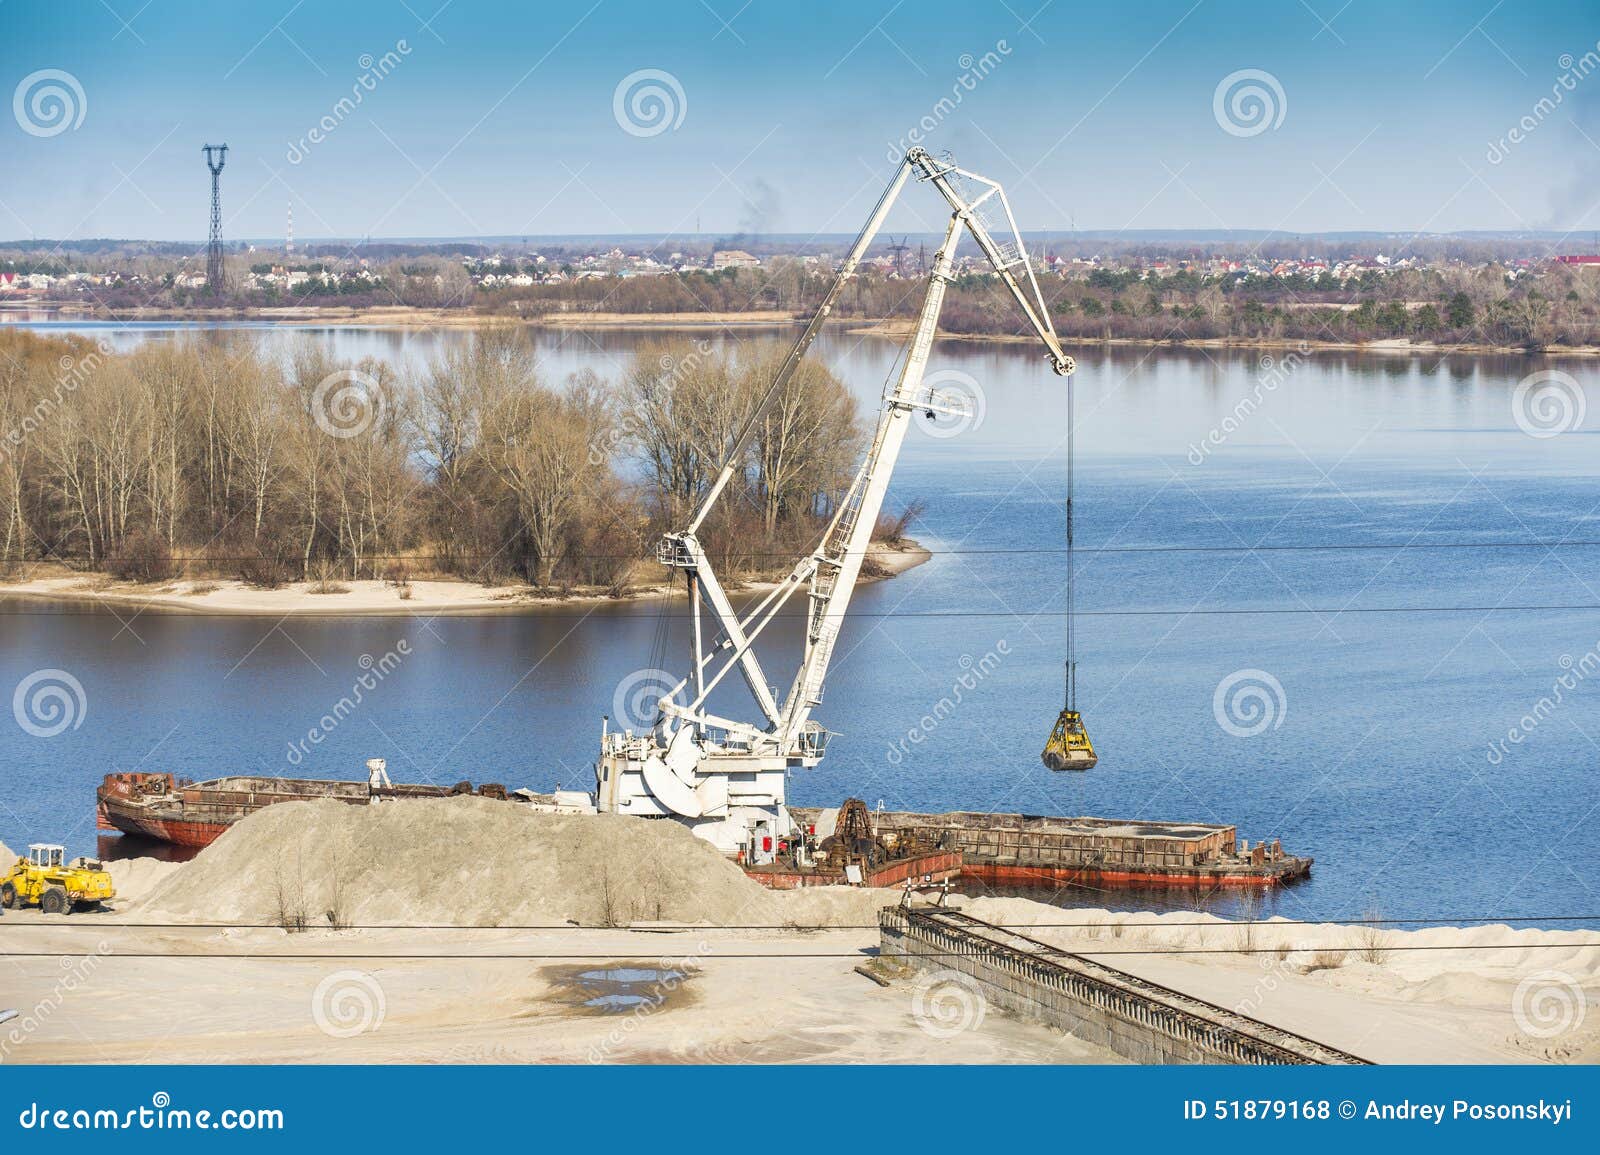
x=846 y=547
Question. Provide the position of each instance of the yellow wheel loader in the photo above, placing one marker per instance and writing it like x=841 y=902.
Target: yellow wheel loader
x=46 y=880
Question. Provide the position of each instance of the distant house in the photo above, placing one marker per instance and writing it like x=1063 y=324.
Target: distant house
x=1580 y=259
x=734 y=259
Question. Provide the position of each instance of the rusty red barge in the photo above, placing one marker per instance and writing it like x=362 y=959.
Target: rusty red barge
x=195 y=814
x=1006 y=850
x=1024 y=850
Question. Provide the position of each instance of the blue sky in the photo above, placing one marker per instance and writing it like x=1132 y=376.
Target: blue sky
x=499 y=117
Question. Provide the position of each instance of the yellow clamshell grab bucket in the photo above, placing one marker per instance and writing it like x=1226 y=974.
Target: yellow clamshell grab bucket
x=1069 y=747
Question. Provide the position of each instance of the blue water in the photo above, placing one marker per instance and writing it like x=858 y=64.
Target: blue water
x=1375 y=759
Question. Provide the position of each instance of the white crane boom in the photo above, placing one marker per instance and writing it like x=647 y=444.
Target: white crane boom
x=726 y=778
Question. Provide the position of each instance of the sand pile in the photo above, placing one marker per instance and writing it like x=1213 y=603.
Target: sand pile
x=135 y=878
x=472 y=861
x=8 y=857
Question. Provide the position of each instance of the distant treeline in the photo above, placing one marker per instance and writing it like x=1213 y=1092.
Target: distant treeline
x=1547 y=305
x=1451 y=306
x=209 y=457
x=1454 y=305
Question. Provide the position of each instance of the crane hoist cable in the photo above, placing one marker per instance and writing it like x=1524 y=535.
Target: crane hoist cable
x=1072 y=576
x=1068 y=747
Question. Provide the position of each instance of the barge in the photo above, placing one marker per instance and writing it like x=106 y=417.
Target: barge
x=1024 y=850
x=886 y=848
x=927 y=867
x=195 y=814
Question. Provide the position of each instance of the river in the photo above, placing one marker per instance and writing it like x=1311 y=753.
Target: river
x=1271 y=633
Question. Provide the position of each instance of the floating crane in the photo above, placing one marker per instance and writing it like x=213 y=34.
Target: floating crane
x=725 y=777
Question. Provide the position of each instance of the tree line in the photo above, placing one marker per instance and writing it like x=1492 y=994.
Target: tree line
x=1560 y=305
x=212 y=457
x=1452 y=306
x=1534 y=306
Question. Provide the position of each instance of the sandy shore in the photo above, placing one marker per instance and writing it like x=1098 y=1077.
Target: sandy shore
x=744 y=996
x=106 y=990
x=579 y=320
x=517 y=967
x=365 y=597
x=896 y=329
x=186 y=1008
x=408 y=317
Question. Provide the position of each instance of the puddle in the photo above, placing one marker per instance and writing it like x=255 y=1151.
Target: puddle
x=626 y=988
x=633 y=976
x=620 y=1002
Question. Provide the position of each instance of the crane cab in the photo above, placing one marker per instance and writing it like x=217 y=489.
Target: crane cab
x=1069 y=747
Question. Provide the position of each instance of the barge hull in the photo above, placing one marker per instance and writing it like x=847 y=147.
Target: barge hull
x=1026 y=850
x=938 y=867
x=196 y=814
x=174 y=830
x=996 y=874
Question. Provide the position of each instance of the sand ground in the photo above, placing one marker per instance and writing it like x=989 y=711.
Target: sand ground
x=772 y=1009
x=1497 y=994
x=87 y=993
x=480 y=931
